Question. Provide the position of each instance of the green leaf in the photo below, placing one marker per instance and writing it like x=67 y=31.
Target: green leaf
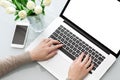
x=24 y=8
x=18 y=5
x=30 y=13
x=13 y=1
x=16 y=13
x=23 y=2
x=17 y=17
x=21 y=19
x=33 y=0
x=43 y=9
x=41 y=2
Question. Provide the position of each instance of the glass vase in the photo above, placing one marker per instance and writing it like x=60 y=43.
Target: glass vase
x=36 y=23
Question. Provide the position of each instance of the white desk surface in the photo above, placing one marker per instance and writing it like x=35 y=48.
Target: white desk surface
x=34 y=71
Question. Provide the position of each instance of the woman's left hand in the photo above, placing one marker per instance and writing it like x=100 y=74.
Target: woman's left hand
x=45 y=50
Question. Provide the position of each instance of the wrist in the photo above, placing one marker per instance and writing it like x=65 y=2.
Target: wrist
x=70 y=78
x=32 y=56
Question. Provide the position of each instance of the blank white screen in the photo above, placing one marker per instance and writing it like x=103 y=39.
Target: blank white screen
x=100 y=18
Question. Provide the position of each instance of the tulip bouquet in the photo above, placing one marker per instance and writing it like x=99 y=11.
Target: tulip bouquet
x=24 y=8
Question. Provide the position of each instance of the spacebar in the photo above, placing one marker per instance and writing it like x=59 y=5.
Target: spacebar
x=68 y=54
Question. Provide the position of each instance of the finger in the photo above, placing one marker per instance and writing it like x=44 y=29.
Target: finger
x=52 y=42
x=47 y=40
x=44 y=41
x=85 y=60
x=80 y=57
x=52 y=54
x=55 y=47
x=90 y=68
x=88 y=63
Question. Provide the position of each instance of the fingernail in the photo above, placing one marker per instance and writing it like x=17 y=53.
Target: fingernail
x=83 y=53
x=88 y=54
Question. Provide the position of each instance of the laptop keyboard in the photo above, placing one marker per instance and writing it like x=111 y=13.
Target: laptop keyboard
x=74 y=46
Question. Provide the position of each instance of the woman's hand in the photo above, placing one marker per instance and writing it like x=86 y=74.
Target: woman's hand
x=80 y=68
x=45 y=50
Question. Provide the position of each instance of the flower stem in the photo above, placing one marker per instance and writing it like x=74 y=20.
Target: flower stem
x=43 y=7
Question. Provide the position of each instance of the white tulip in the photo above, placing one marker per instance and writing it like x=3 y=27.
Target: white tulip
x=46 y=2
x=10 y=10
x=5 y=3
x=38 y=10
x=30 y=5
x=22 y=14
x=9 y=0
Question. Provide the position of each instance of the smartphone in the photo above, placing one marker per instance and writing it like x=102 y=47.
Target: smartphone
x=20 y=35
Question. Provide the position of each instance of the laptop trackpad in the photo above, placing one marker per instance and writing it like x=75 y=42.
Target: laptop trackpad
x=57 y=66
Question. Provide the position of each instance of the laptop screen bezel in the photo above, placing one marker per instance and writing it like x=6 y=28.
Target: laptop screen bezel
x=85 y=34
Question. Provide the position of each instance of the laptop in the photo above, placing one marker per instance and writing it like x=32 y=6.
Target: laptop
x=90 y=26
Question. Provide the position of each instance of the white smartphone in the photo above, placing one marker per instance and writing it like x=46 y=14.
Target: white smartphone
x=20 y=35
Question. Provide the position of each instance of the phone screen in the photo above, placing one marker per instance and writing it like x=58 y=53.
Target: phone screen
x=19 y=35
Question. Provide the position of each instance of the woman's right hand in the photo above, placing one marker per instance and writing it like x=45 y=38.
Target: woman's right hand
x=80 y=67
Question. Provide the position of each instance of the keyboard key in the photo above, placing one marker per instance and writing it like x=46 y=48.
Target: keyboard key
x=62 y=40
x=100 y=59
x=82 y=50
x=95 y=60
x=99 y=62
x=65 y=42
x=68 y=35
x=73 y=43
x=61 y=34
x=90 y=51
x=71 y=46
x=62 y=30
x=57 y=31
x=74 y=49
x=70 y=41
x=76 y=55
x=70 y=50
x=78 y=51
x=96 y=55
x=83 y=46
x=103 y=57
x=65 y=32
x=86 y=48
x=79 y=48
x=73 y=53
x=71 y=37
x=74 y=39
x=68 y=44
x=67 y=48
x=77 y=41
x=93 y=53
x=76 y=45
x=80 y=44
x=67 y=38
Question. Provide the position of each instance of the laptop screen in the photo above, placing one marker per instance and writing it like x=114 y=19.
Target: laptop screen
x=99 y=18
